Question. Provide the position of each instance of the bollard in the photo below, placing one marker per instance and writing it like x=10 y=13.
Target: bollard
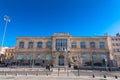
x=93 y=76
x=5 y=74
x=46 y=73
x=37 y=74
x=16 y=74
x=26 y=74
x=104 y=76
x=116 y=77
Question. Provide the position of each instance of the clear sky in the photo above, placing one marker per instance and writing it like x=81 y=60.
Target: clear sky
x=45 y=17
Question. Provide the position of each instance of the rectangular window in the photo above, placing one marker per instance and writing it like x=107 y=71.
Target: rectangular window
x=83 y=45
x=113 y=44
x=102 y=44
x=92 y=44
x=114 y=50
x=74 y=45
x=112 y=38
x=39 y=45
x=61 y=44
x=21 y=45
x=30 y=45
x=117 y=44
x=49 y=44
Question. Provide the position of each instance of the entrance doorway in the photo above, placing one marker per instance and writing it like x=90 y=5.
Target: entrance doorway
x=61 y=60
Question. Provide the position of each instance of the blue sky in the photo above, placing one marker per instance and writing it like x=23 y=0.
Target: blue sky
x=45 y=17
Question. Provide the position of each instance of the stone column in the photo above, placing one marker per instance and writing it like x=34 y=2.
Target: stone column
x=56 y=60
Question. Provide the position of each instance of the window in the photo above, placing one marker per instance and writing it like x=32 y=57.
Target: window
x=74 y=45
x=61 y=44
x=19 y=57
x=93 y=56
x=102 y=56
x=113 y=44
x=28 y=57
x=39 y=56
x=48 y=57
x=112 y=38
x=117 y=50
x=114 y=50
x=49 y=44
x=101 y=44
x=30 y=45
x=83 y=56
x=39 y=44
x=82 y=44
x=117 y=44
x=92 y=44
x=74 y=57
x=21 y=45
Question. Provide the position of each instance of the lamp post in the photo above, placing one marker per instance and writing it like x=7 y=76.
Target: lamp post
x=6 y=19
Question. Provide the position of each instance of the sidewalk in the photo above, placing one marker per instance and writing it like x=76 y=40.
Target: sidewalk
x=57 y=74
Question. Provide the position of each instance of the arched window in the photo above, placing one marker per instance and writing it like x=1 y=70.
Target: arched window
x=48 y=57
x=39 y=44
x=21 y=44
x=103 y=56
x=39 y=56
x=93 y=56
x=83 y=56
x=92 y=44
x=19 y=57
x=74 y=45
x=49 y=44
x=82 y=44
x=30 y=45
x=74 y=56
x=28 y=57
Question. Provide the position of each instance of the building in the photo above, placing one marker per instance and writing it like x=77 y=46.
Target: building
x=9 y=54
x=115 y=48
x=2 y=53
x=62 y=49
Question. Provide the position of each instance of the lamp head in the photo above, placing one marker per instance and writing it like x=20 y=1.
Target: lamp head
x=7 y=18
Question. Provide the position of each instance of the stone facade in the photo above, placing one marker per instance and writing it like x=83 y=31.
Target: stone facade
x=62 y=49
x=9 y=54
x=115 y=48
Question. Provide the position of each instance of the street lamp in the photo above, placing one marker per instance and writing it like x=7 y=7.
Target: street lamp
x=6 y=19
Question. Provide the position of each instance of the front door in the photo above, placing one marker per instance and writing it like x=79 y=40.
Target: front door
x=61 y=60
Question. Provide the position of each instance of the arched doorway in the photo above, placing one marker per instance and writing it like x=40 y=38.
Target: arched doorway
x=61 y=60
